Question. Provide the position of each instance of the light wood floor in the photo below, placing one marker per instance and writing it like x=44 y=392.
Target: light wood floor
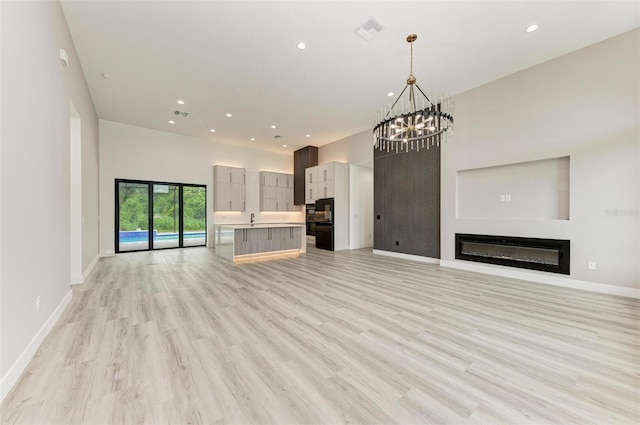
x=177 y=337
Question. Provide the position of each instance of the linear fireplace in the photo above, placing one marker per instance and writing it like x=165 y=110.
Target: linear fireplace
x=550 y=255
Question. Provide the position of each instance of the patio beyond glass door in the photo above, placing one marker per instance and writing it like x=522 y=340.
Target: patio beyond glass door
x=194 y=201
x=166 y=216
x=158 y=215
x=132 y=216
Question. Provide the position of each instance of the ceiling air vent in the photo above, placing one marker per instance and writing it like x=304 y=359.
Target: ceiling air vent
x=182 y=114
x=369 y=29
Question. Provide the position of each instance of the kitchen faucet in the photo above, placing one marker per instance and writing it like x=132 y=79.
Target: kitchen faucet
x=252 y=218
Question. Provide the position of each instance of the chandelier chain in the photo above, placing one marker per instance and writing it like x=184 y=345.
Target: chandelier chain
x=411 y=67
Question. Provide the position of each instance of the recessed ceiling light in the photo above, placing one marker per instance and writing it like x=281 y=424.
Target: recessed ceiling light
x=253 y=139
x=301 y=46
x=172 y=122
x=390 y=94
x=273 y=126
x=284 y=146
x=308 y=135
x=181 y=102
x=229 y=115
x=105 y=75
x=532 y=27
x=212 y=130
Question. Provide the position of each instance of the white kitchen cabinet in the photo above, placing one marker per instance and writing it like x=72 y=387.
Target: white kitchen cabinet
x=326 y=189
x=276 y=192
x=331 y=180
x=311 y=175
x=311 y=193
x=229 y=187
x=327 y=172
x=322 y=180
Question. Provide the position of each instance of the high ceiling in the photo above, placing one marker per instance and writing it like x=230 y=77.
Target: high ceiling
x=240 y=57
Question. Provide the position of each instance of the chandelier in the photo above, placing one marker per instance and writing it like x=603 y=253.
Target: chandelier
x=410 y=124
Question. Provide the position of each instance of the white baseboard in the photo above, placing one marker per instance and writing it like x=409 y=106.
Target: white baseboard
x=546 y=279
x=411 y=257
x=77 y=280
x=15 y=371
x=89 y=269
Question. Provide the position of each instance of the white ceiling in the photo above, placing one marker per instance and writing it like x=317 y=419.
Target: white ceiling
x=241 y=57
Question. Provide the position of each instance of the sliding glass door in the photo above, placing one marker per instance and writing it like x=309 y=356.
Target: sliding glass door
x=166 y=216
x=132 y=217
x=194 y=201
x=159 y=215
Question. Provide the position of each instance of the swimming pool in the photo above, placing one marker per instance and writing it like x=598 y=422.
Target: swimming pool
x=143 y=236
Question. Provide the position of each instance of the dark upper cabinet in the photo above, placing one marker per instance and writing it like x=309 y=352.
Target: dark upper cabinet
x=302 y=159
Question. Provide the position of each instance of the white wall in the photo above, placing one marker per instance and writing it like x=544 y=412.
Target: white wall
x=360 y=207
x=130 y=152
x=356 y=150
x=35 y=221
x=532 y=190
x=584 y=105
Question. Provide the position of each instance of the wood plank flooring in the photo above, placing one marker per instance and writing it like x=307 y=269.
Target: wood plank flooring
x=182 y=337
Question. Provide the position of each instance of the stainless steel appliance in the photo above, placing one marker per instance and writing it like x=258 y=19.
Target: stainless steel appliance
x=324 y=224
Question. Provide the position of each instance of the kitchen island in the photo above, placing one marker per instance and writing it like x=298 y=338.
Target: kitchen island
x=252 y=242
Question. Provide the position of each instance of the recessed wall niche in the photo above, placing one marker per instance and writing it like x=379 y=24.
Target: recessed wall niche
x=533 y=190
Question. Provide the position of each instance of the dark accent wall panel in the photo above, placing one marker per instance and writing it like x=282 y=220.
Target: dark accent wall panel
x=302 y=159
x=406 y=198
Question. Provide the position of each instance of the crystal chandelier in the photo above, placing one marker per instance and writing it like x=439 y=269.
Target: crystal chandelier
x=409 y=124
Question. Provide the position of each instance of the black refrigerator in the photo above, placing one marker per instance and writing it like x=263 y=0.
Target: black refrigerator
x=324 y=223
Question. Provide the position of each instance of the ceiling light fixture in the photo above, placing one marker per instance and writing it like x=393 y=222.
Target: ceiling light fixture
x=273 y=126
x=404 y=126
x=212 y=130
x=181 y=102
x=229 y=115
x=105 y=75
x=284 y=146
x=308 y=135
x=253 y=139
x=301 y=46
x=532 y=27
x=390 y=94
x=171 y=122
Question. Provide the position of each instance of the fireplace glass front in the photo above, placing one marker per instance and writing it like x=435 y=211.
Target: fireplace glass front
x=537 y=254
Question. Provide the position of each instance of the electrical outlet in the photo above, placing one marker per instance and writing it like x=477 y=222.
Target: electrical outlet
x=591 y=265
x=502 y=198
x=507 y=198
x=38 y=303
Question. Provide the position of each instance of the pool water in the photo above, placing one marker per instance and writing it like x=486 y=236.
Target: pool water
x=143 y=236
